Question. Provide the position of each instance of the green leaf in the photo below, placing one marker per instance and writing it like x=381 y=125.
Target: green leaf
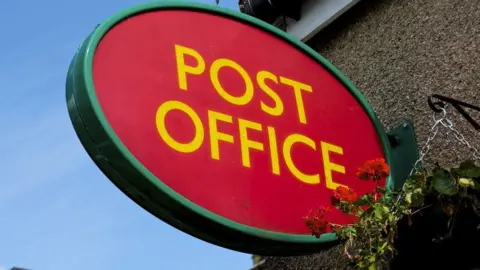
x=476 y=181
x=367 y=212
x=469 y=169
x=408 y=197
x=417 y=197
x=468 y=164
x=456 y=172
x=472 y=173
x=381 y=249
x=364 y=200
x=417 y=179
x=391 y=218
x=443 y=182
x=380 y=211
x=412 y=181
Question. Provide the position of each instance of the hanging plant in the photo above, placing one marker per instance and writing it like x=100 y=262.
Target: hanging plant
x=437 y=195
x=372 y=238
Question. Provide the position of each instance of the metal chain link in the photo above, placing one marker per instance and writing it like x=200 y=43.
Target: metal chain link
x=447 y=123
x=462 y=140
x=426 y=147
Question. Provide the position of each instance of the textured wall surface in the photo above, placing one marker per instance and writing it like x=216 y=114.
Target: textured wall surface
x=397 y=53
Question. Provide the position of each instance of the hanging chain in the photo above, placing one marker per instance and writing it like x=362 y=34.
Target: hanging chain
x=447 y=123
x=426 y=147
x=438 y=123
x=459 y=136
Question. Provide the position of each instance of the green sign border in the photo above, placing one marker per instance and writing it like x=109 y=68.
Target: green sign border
x=130 y=176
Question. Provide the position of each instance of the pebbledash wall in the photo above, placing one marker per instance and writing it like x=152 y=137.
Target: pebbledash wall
x=397 y=53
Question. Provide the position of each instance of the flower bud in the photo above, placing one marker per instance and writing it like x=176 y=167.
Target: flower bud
x=466 y=182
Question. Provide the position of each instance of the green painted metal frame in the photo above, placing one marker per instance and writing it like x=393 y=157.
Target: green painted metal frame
x=130 y=176
x=404 y=152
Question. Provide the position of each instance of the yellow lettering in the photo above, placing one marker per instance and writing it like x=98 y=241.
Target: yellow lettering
x=329 y=166
x=162 y=129
x=287 y=146
x=241 y=100
x=245 y=143
x=183 y=69
x=272 y=139
x=215 y=135
x=278 y=109
x=297 y=89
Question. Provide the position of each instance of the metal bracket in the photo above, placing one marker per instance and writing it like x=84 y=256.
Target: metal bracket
x=456 y=104
x=403 y=153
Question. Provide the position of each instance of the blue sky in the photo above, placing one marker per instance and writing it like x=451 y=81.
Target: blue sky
x=57 y=210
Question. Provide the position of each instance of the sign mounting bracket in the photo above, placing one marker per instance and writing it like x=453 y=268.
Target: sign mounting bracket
x=456 y=104
x=404 y=152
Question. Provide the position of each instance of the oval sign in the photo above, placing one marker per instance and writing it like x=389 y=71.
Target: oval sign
x=220 y=124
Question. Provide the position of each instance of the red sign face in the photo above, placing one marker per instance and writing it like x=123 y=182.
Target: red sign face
x=232 y=118
x=220 y=125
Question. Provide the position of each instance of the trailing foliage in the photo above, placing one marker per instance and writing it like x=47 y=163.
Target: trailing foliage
x=371 y=238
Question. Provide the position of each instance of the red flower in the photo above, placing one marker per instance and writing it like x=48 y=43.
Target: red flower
x=364 y=207
x=343 y=193
x=316 y=222
x=376 y=170
x=377 y=195
x=334 y=200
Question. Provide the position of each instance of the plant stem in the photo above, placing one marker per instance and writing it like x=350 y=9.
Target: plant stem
x=423 y=208
x=338 y=225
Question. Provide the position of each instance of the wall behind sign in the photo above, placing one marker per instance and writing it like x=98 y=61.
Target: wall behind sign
x=397 y=53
